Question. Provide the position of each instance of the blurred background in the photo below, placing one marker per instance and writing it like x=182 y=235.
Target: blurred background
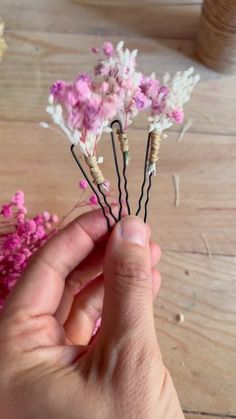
x=52 y=39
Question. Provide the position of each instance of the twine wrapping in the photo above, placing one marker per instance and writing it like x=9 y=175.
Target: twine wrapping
x=154 y=151
x=95 y=171
x=216 y=40
x=124 y=145
x=155 y=147
x=124 y=141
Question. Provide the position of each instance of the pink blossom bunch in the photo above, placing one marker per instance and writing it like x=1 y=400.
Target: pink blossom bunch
x=166 y=106
x=117 y=68
x=83 y=110
x=20 y=237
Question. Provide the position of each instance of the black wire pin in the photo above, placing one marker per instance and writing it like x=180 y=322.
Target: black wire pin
x=125 y=153
x=91 y=185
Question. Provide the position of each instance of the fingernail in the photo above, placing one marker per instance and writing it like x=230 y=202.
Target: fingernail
x=133 y=230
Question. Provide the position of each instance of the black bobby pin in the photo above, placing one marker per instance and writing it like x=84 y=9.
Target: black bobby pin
x=118 y=171
x=91 y=185
x=144 y=175
x=100 y=188
x=148 y=197
x=117 y=167
x=126 y=184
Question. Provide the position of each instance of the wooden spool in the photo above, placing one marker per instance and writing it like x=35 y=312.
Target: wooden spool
x=216 y=39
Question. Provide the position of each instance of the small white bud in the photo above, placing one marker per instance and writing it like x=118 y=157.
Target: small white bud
x=50 y=99
x=44 y=125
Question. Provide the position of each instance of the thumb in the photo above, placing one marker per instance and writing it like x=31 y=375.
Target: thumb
x=128 y=301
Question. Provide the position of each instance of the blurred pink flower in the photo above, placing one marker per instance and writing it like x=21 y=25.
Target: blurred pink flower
x=93 y=200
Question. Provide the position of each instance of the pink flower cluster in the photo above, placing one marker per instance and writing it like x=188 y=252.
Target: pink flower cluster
x=85 y=103
x=168 y=98
x=158 y=96
x=20 y=237
x=118 y=70
x=85 y=108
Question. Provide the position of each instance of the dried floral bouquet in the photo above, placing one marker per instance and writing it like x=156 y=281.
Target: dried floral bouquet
x=84 y=109
x=112 y=96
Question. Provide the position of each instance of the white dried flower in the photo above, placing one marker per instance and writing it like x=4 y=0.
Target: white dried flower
x=44 y=125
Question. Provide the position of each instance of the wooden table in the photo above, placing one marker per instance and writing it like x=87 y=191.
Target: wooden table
x=52 y=39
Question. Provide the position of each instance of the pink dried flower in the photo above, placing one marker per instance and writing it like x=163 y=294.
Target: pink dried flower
x=167 y=105
x=46 y=215
x=141 y=101
x=118 y=70
x=83 y=184
x=93 y=200
x=30 y=226
x=178 y=115
x=41 y=232
x=6 y=210
x=20 y=259
x=108 y=49
x=54 y=218
x=11 y=242
x=95 y=50
x=163 y=91
x=59 y=89
x=18 y=199
x=83 y=111
x=149 y=86
x=20 y=238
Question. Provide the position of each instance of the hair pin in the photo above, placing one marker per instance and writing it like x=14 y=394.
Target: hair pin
x=107 y=101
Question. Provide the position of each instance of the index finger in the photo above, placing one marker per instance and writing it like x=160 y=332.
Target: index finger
x=41 y=287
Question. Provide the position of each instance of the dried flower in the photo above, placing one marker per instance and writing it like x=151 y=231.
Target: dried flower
x=6 y=211
x=167 y=104
x=108 y=49
x=18 y=199
x=95 y=50
x=118 y=71
x=167 y=108
x=20 y=237
x=83 y=184
x=82 y=111
x=93 y=200
x=85 y=107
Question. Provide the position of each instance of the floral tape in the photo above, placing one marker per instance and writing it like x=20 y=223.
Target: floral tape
x=155 y=147
x=95 y=171
x=124 y=141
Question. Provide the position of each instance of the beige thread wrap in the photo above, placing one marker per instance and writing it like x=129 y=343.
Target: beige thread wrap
x=95 y=171
x=155 y=148
x=124 y=141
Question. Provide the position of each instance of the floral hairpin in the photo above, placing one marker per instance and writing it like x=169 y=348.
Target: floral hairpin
x=114 y=95
x=166 y=108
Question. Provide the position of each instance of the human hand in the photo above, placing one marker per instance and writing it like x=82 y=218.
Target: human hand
x=49 y=366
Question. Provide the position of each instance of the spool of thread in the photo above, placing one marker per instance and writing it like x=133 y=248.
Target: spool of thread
x=216 y=39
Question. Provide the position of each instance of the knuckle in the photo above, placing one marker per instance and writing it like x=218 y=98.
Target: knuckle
x=131 y=272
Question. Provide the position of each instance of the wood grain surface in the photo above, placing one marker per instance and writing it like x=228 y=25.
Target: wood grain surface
x=139 y=2
x=65 y=16
x=52 y=39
